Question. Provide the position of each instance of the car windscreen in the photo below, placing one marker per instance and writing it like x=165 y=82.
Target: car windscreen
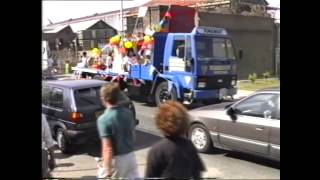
x=87 y=97
x=91 y=96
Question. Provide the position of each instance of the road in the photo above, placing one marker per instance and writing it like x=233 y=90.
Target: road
x=220 y=164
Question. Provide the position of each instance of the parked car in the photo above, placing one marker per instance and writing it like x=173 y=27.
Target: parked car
x=250 y=125
x=72 y=108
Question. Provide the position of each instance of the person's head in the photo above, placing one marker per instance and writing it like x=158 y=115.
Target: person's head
x=84 y=54
x=109 y=94
x=172 y=119
x=130 y=53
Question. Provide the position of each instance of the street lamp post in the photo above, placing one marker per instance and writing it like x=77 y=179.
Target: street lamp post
x=121 y=14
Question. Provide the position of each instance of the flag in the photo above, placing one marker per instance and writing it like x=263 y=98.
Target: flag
x=142 y=11
x=165 y=22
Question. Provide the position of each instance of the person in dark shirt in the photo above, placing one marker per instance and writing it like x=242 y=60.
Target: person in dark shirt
x=174 y=156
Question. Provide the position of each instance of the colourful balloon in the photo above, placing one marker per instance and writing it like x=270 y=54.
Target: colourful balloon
x=96 y=52
x=128 y=44
x=115 y=39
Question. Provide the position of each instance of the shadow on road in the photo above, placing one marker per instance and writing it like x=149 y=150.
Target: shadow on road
x=65 y=164
x=254 y=159
x=89 y=177
x=143 y=140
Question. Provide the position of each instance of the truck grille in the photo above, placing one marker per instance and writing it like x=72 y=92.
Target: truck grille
x=218 y=82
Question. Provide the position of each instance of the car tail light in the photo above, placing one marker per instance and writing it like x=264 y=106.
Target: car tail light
x=76 y=117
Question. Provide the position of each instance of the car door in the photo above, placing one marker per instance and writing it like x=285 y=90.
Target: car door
x=46 y=92
x=54 y=107
x=250 y=132
x=275 y=133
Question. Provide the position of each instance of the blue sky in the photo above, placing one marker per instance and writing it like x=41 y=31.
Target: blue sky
x=62 y=10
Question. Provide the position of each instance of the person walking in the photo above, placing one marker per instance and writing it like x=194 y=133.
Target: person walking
x=173 y=157
x=48 y=146
x=116 y=129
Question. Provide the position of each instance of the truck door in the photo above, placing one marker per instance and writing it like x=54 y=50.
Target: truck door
x=181 y=52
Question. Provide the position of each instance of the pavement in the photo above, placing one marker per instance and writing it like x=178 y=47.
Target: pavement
x=220 y=164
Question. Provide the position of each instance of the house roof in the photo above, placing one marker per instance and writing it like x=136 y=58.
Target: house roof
x=76 y=27
x=173 y=2
x=55 y=29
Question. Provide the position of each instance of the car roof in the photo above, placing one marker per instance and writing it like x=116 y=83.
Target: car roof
x=75 y=83
x=275 y=89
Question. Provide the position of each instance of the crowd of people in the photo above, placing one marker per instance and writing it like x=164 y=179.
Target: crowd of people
x=130 y=50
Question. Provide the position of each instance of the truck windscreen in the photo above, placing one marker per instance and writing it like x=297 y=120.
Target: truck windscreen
x=214 y=48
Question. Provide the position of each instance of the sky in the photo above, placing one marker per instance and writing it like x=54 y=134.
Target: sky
x=63 y=10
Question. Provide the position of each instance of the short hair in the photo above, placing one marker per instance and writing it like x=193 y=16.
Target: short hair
x=172 y=118
x=110 y=92
x=84 y=53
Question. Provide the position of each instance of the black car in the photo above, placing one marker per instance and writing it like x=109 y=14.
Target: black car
x=72 y=108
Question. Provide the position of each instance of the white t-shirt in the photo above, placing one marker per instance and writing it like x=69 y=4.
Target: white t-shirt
x=47 y=140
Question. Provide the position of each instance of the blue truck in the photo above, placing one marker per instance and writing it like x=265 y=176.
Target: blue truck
x=188 y=67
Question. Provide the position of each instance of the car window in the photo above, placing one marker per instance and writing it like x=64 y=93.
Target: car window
x=87 y=97
x=45 y=95
x=258 y=105
x=278 y=109
x=56 y=99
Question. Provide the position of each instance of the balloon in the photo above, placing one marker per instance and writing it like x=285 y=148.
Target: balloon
x=149 y=46
x=134 y=45
x=96 y=52
x=146 y=38
x=123 y=50
x=115 y=39
x=128 y=44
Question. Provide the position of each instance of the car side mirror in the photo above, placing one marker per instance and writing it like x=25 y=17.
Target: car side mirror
x=137 y=122
x=240 y=54
x=232 y=113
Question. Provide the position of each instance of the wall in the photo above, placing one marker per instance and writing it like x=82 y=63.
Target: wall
x=254 y=35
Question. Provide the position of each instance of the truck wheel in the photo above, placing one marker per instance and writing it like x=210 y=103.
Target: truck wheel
x=62 y=141
x=162 y=94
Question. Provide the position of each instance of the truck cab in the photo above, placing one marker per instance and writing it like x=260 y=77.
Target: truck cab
x=200 y=65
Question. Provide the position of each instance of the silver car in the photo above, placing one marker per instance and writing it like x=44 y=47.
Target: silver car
x=250 y=125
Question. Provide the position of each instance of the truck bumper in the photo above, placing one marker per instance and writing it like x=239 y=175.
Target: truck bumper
x=211 y=94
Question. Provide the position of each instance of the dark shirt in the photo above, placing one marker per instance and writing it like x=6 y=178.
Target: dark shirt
x=174 y=157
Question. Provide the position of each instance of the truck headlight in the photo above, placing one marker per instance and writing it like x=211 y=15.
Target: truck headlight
x=233 y=82
x=202 y=84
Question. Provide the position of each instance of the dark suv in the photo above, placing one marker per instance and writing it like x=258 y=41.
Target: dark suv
x=72 y=108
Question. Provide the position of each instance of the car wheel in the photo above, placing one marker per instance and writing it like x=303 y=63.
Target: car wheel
x=162 y=93
x=200 y=138
x=62 y=141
